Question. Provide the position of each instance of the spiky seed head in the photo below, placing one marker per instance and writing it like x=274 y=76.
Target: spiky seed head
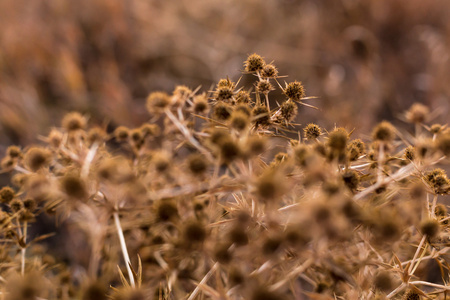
x=383 y=281
x=417 y=113
x=269 y=71
x=271 y=245
x=226 y=82
x=443 y=143
x=243 y=108
x=157 y=102
x=384 y=132
x=95 y=290
x=436 y=128
x=337 y=140
x=73 y=121
x=430 y=227
x=269 y=186
x=409 y=153
x=149 y=130
x=30 y=204
x=262 y=293
x=36 y=158
x=121 y=133
x=238 y=236
x=264 y=86
x=351 y=179
x=255 y=145
x=294 y=91
x=261 y=116
x=136 y=137
x=7 y=194
x=437 y=179
x=239 y=120
x=312 y=131
x=73 y=186
x=288 y=110
x=243 y=97
x=222 y=254
x=224 y=93
x=96 y=135
x=254 y=63
x=200 y=104
x=235 y=276
x=161 y=161
x=197 y=164
x=229 y=150
x=166 y=210
x=411 y=295
x=55 y=138
x=194 y=232
x=182 y=92
x=14 y=152
x=222 y=111
x=16 y=205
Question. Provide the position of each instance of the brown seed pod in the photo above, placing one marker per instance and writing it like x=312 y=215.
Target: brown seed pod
x=73 y=121
x=384 y=132
x=36 y=158
x=254 y=63
x=294 y=91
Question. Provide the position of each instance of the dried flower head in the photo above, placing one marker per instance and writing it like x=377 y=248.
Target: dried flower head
x=384 y=132
x=411 y=295
x=383 y=281
x=409 y=153
x=269 y=71
x=73 y=121
x=226 y=83
x=13 y=152
x=261 y=116
x=222 y=111
x=355 y=149
x=337 y=140
x=254 y=63
x=417 y=113
x=36 y=158
x=121 y=133
x=55 y=138
x=223 y=93
x=200 y=104
x=194 y=232
x=239 y=120
x=264 y=86
x=16 y=205
x=6 y=194
x=197 y=164
x=312 y=131
x=243 y=97
x=430 y=227
x=443 y=143
x=96 y=135
x=437 y=179
x=74 y=187
x=294 y=91
x=157 y=102
x=288 y=111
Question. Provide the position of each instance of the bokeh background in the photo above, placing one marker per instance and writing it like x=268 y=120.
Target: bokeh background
x=365 y=60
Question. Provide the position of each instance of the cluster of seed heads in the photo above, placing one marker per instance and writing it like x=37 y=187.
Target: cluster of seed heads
x=224 y=195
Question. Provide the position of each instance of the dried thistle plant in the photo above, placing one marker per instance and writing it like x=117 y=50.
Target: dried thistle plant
x=219 y=196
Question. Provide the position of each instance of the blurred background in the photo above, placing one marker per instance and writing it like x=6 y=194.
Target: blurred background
x=365 y=60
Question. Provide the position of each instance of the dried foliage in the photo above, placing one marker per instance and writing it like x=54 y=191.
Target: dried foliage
x=223 y=203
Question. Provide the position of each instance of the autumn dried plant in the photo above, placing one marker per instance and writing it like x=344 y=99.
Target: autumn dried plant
x=222 y=195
